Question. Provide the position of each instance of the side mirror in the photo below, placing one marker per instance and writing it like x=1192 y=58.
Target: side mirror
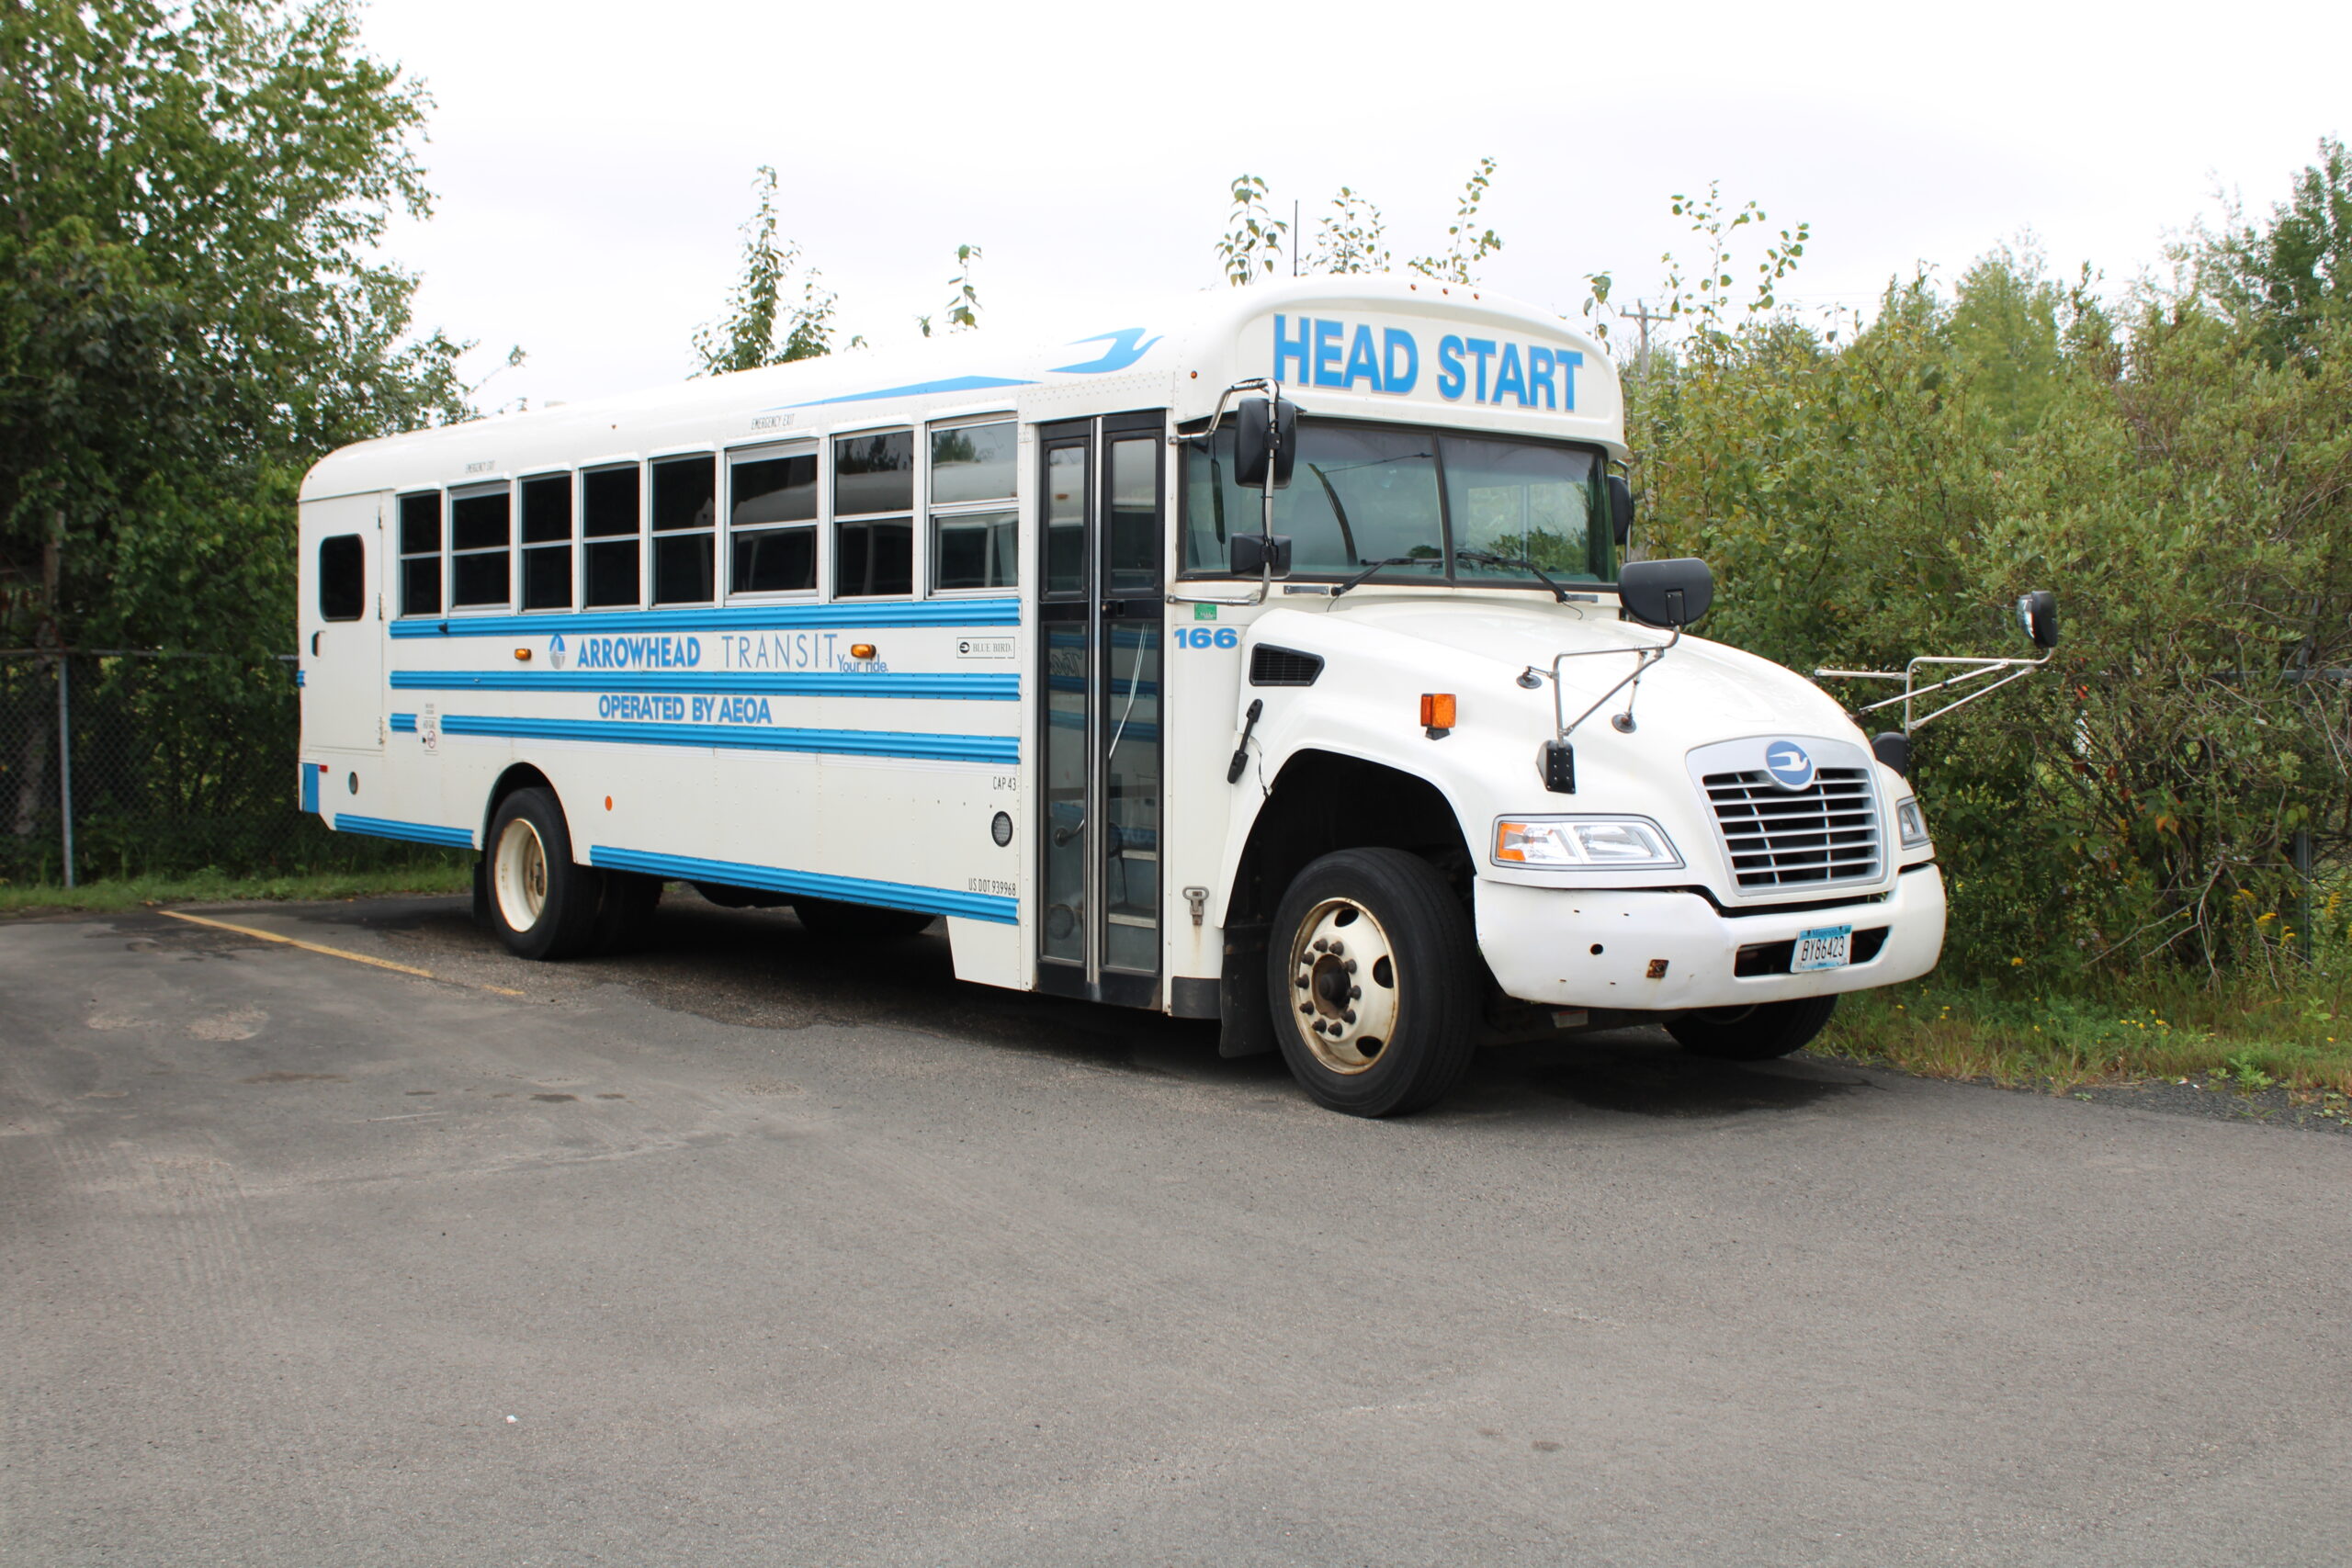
x=2037 y=613
x=1266 y=429
x=1621 y=511
x=1893 y=748
x=1670 y=594
x=1254 y=554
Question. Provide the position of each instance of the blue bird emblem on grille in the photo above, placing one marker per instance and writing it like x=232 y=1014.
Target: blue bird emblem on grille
x=1787 y=762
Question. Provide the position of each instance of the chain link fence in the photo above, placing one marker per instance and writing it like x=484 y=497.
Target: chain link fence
x=129 y=764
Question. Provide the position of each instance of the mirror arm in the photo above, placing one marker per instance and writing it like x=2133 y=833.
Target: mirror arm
x=1272 y=388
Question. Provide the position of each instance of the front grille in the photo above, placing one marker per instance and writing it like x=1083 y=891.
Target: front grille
x=1782 y=837
x=1271 y=666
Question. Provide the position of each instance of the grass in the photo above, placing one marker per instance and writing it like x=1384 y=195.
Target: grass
x=214 y=887
x=2237 y=1034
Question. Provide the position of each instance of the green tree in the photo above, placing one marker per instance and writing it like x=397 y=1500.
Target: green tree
x=1467 y=245
x=761 y=305
x=963 y=296
x=190 y=312
x=1252 y=243
x=1352 y=237
x=2282 y=281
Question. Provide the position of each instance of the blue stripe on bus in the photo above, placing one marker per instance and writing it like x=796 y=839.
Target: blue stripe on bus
x=995 y=749
x=402 y=723
x=815 y=885
x=917 y=389
x=298 y=678
x=952 y=685
x=414 y=832
x=738 y=617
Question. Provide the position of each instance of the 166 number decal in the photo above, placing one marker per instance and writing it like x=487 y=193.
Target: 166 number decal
x=1208 y=637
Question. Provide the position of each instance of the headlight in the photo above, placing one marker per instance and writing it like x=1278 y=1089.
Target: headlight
x=1911 y=822
x=1585 y=843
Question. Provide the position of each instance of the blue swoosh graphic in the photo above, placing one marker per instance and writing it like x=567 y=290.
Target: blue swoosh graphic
x=1125 y=350
x=916 y=390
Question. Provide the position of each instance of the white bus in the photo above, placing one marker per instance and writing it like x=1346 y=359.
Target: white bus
x=1374 y=763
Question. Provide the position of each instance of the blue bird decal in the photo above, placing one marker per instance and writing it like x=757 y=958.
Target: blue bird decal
x=1125 y=350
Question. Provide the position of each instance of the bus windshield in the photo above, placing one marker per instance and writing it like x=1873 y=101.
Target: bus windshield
x=1362 y=493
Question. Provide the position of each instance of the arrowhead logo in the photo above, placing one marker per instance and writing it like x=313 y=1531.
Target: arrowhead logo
x=1787 y=762
x=555 y=653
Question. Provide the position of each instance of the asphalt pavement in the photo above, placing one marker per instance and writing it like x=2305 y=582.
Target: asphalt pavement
x=746 y=1250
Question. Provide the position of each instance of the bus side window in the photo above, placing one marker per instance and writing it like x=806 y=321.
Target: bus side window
x=610 y=525
x=481 y=539
x=421 y=554
x=772 y=521
x=873 y=474
x=686 y=506
x=973 y=523
x=547 y=542
x=342 y=578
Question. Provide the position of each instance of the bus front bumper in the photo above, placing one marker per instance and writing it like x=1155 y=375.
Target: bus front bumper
x=1667 y=952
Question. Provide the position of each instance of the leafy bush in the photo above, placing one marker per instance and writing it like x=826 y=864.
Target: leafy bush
x=2184 y=482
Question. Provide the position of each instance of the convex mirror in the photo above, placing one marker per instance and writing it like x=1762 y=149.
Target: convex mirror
x=2037 y=613
x=1670 y=594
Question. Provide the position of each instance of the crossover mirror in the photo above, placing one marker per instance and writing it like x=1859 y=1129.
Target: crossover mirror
x=2037 y=613
x=1670 y=594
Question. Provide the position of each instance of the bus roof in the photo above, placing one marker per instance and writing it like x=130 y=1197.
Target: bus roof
x=1407 y=349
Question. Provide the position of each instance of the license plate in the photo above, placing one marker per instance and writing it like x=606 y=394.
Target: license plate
x=1824 y=947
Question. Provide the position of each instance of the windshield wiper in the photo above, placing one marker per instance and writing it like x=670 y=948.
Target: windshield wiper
x=1371 y=566
x=1486 y=558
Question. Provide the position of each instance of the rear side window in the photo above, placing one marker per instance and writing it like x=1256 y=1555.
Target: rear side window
x=342 y=578
x=421 y=554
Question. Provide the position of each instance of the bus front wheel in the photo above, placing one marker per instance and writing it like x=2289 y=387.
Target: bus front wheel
x=1373 y=978
x=541 y=905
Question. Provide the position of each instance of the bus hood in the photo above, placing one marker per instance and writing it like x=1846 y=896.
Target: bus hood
x=1699 y=692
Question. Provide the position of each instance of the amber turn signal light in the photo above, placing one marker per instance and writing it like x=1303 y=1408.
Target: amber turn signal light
x=523 y=653
x=861 y=651
x=1437 y=710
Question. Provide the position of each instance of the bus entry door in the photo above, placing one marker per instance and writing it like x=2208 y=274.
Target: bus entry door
x=1101 y=638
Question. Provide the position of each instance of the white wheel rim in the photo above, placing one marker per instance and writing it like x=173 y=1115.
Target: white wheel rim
x=1342 y=996
x=520 y=873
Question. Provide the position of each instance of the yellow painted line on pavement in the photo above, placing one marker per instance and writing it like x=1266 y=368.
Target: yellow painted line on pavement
x=320 y=947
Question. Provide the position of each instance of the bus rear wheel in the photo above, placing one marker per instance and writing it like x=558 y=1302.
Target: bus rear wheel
x=1754 y=1033
x=1372 y=973
x=540 y=904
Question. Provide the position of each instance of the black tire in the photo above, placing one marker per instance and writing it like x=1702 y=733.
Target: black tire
x=1753 y=1034
x=829 y=920
x=1411 y=926
x=625 y=917
x=551 y=913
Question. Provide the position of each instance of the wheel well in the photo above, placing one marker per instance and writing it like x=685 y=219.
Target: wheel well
x=1323 y=801
x=522 y=775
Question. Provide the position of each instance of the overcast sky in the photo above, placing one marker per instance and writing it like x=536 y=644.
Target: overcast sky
x=593 y=161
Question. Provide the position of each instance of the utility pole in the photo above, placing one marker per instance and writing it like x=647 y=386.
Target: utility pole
x=1644 y=315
